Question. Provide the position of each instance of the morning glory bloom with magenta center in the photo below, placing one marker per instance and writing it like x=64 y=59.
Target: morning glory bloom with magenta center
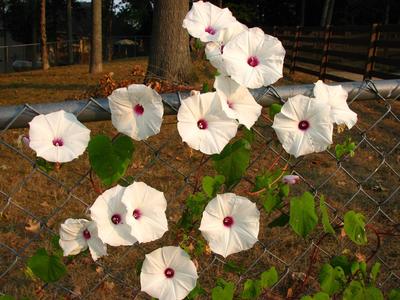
x=230 y=224
x=168 y=274
x=58 y=136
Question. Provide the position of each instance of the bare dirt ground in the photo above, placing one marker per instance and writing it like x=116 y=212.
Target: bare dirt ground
x=164 y=162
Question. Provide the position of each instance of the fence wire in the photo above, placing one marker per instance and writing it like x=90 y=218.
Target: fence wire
x=33 y=204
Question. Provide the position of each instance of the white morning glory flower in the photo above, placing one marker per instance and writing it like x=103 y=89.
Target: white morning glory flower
x=76 y=235
x=145 y=212
x=237 y=102
x=230 y=224
x=254 y=59
x=203 y=125
x=214 y=50
x=336 y=97
x=168 y=274
x=304 y=125
x=290 y=179
x=205 y=21
x=110 y=215
x=58 y=136
x=136 y=111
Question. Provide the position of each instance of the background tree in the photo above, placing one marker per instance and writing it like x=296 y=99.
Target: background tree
x=169 y=53
x=69 y=32
x=96 y=51
x=43 y=36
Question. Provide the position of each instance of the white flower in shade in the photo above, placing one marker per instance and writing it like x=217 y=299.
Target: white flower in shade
x=76 y=235
x=203 y=125
x=58 y=136
x=214 y=50
x=237 y=102
x=136 y=111
x=304 y=125
x=110 y=215
x=254 y=59
x=290 y=179
x=205 y=21
x=336 y=97
x=168 y=274
x=230 y=224
x=145 y=212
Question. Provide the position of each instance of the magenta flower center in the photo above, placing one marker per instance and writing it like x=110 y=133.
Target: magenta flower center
x=230 y=104
x=169 y=273
x=58 y=142
x=138 y=109
x=116 y=219
x=86 y=234
x=228 y=221
x=210 y=30
x=304 y=125
x=136 y=214
x=202 y=124
x=253 y=61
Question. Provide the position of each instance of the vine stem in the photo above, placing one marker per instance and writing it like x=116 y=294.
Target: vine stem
x=196 y=183
x=96 y=188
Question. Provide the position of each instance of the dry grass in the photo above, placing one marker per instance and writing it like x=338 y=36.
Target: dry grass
x=35 y=196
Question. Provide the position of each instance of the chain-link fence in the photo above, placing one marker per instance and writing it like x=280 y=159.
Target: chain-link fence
x=33 y=203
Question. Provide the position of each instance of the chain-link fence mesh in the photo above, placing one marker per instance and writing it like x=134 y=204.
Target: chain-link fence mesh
x=33 y=203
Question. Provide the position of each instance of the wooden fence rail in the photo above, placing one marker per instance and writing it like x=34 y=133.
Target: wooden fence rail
x=333 y=52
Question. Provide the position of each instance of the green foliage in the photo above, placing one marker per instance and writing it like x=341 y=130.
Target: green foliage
x=354 y=226
x=211 y=185
x=325 y=217
x=303 y=217
x=195 y=205
x=48 y=268
x=205 y=87
x=248 y=134
x=374 y=272
x=233 y=161
x=280 y=221
x=6 y=297
x=108 y=159
x=223 y=290
x=331 y=279
x=198 y=45
x=57 y=250
x=343 y=262
x=356 y=290
x=195 y=245
x=232 y=267
x=274 y=109
x=44 y=165
x=317 y=296
x=394 y=294
x=196 y=292
x=254 y=288
x=347 y=147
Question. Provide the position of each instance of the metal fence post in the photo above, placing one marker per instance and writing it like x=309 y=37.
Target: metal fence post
x=370 y=63
x=295 y=48
x=324 y=58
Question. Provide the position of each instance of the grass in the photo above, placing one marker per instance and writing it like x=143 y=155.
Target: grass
x=35 y=197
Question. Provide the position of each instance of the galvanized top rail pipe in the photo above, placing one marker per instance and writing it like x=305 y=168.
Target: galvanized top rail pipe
x=18 y=116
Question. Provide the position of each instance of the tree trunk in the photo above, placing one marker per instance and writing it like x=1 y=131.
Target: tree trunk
x=325 y=10
x=110 y=15
x=169 y=53
x=386 y=19
x=303 y=13
x=43 y=36
x=96 y=51
x=35 y=23
x=330 y=12
x=69 y=29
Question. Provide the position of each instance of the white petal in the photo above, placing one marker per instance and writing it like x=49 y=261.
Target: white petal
x=220 y=128
x=237 y=102
x=97 y=248
x=103 y=209
x=71 y=238
x=336 y=97
x=241 y=235
x=205 y=15
x=124 y=118
x=151 y=205
x=156 y=284
x=254 y=43
x=43 y=129
x=213 y=54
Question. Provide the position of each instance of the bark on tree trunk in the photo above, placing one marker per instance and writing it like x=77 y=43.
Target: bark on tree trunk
x=43 y=36
x=96 y=50
x=109 y=30
x=330 y=13
x=324 y=15
x=303 y=13
x=169 y=53
x=69 y=25
x=35 y=23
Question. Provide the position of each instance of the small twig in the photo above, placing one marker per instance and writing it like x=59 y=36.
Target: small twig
x=378 y=242
x=96 y=188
